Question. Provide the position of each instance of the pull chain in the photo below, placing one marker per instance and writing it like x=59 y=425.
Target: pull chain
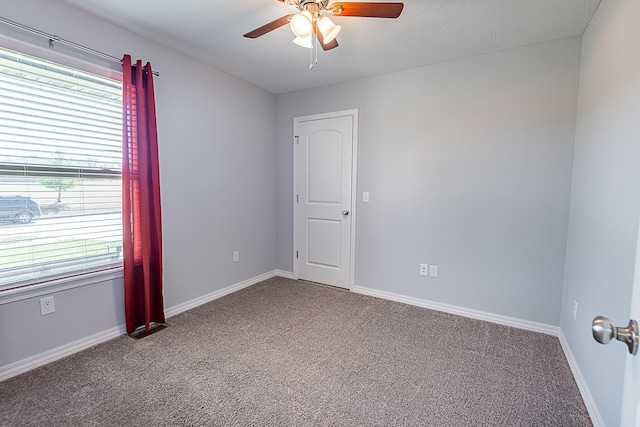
x=317 y=43
x=313 y=33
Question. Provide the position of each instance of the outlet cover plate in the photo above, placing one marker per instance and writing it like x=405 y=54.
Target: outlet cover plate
x=424 y=269
x=433 y=271
x=47 y=305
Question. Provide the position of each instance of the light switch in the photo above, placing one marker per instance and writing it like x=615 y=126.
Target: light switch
x=433 y=270
x=365 y=197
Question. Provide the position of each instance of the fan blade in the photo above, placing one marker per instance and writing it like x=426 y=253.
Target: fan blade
x=268 y=27
x=367 y=9
x=325 y=46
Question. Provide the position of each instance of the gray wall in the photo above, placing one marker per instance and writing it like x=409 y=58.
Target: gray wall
x=605 y=201
x=468 y=165
x=217 y=167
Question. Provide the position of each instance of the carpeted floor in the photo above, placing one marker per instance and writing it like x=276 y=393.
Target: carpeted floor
x=285 y=353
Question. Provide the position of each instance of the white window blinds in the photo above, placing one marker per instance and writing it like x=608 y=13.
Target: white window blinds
x=60 y=171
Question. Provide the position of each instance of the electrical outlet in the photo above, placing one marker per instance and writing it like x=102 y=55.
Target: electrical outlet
x=236 y=256
x=424 y=269
x=47 y=305
x=433 y=271
x=575 y=310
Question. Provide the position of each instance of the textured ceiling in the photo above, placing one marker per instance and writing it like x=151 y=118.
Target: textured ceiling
x=427 y=32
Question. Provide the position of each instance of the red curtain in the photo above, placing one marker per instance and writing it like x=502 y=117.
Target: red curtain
x=142 y=245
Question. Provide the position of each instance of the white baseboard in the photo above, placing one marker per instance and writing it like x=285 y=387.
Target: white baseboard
x=461 y=311
x=24 y=365
x=283 y=273
x=188 y=305
x=589 y=402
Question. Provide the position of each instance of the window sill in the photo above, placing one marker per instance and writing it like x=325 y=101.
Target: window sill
x=57 y=285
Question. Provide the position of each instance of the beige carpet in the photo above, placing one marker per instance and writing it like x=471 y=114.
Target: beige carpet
x=287 y=353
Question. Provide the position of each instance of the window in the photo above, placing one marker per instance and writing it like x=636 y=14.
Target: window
x=60 y=171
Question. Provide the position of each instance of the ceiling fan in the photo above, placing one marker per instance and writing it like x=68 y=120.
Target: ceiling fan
x=312 y=19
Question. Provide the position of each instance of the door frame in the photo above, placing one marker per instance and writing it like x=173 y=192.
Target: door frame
x=354 y=185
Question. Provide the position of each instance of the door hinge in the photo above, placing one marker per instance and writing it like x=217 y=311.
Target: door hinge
x=297 y=198
x=297 y=139
x=296 y=254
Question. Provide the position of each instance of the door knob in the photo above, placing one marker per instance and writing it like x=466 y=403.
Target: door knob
x=604 y=331
x=345 y=212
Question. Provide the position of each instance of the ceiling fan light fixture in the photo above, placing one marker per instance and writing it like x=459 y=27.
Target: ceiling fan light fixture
x=310 y=22
x=304 y=41
x=301 y=24
x=328 y=29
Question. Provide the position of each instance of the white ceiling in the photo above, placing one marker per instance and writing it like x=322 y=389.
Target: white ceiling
x=427 y=32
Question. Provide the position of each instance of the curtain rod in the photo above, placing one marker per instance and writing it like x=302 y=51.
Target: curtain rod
x=53 y=38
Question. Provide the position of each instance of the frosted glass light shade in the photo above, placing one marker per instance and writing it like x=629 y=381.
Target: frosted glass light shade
x=328 y=29
x=301 y=24
x=304 y=41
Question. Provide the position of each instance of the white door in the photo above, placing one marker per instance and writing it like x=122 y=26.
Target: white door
x=631 y=394
x=324 y=183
